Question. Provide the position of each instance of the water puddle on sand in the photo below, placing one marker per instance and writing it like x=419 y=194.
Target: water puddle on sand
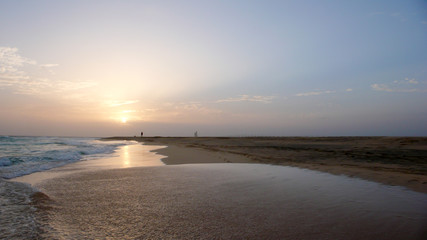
x=230 y=201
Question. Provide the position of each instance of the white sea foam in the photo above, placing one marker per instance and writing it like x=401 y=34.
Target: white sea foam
x=17 y=219
x=4 y=161
x=24 y=155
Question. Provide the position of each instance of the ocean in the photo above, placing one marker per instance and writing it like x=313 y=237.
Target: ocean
x=24 y=155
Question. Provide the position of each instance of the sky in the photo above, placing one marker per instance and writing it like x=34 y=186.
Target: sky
x=222 y=68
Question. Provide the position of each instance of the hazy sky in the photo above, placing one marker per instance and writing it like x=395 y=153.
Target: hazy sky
x=233 y=68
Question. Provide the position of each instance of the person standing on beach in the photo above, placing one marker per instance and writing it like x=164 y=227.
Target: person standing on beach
x=142 y=134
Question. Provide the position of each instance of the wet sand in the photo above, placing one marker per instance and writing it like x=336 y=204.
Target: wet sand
x=228 y=201
x=397 y=161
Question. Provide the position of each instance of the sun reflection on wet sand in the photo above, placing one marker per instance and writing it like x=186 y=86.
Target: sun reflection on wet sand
x=126 y=161
x=127 y=156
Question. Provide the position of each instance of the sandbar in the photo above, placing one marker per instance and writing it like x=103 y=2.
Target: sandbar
x=396 y=161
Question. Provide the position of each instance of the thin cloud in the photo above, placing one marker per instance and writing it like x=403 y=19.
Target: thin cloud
x=386 y=88
x=407 y=81
x=10 y=66
x=10 y=60
x=77 y=85
x=49 y=65
x=128 y=111
x=248 y=98
x=44 y=86
x=121 y=103
x=403 y=86
x=381 y=87
x=315 y=93
x=18 y=74
x=192 y=111
x=192 y=107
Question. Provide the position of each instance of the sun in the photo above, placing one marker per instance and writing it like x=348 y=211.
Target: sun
x=124 y=119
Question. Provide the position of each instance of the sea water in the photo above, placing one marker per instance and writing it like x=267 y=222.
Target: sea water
x=25 y=155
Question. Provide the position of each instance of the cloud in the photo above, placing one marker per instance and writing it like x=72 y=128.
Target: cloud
x=381 y=87
x=128 y=111
x=191 y=111
x=10 y=66
x=22 y=75
x=74 y=85
x=46 y=86
x=49 y=65
x=386 y=88
x=424 y=22
x=305 y=94
x=406 y=81
x=10 y=60
x=192 y=107
x=316 y=93
x=405 y=85
x=411 y=81
x=248 y=98
x=121 y=103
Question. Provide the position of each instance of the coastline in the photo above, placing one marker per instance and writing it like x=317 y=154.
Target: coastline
x=178 y=199
x=396 y=161
x=26 y=203
x=128 y=156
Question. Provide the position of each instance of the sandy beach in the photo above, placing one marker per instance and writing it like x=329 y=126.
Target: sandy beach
x=234 y=194
x=399 y=161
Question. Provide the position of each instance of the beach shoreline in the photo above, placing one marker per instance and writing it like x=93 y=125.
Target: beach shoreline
x=127 y=156
x=149 y=191
x=396 y=161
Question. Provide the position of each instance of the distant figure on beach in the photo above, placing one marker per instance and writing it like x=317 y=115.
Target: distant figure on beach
x=195 y=134
x=142 y=134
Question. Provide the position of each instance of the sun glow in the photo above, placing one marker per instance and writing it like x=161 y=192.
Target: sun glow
x=124 y=119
